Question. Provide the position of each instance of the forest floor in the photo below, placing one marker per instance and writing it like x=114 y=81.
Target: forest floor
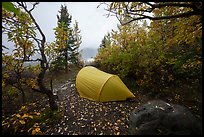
x=84 y=117
x=80 y=116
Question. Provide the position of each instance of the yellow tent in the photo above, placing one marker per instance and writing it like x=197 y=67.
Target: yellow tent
x=94 y=84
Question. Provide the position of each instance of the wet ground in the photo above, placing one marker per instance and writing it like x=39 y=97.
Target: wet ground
x=84 y=117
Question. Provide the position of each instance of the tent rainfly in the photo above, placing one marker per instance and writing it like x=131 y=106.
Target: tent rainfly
x=96 y=85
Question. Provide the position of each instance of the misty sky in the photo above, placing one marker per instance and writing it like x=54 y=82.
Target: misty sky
x=92 y=21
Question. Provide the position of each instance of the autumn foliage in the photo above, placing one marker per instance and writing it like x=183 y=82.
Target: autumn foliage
x=151 y=55
x=163 y=53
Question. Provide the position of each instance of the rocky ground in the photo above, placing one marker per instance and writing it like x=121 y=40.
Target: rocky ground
x=84 y=117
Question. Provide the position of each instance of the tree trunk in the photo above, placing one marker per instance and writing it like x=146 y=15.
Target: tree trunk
x=66 y=61
x=52 y=102
x=23 y=97
x=49 y=93
x=19 y=77
x=43 y=62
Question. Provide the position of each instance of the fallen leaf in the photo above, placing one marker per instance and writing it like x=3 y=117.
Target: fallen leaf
x=116 y=128
x=33 y=132
x=31 y=117
x=37 y=129
x=22 y=122
x=25 y=115
x=38 y=114
x=18 y=115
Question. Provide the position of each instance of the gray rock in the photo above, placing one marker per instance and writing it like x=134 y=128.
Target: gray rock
x=158 y=117
x=43 y=127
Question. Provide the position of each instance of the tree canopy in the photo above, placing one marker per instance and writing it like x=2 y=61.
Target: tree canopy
x=166 y=50
x=68 y=41
x=127 y=12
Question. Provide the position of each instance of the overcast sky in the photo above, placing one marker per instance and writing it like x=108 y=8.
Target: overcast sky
x=92 y=21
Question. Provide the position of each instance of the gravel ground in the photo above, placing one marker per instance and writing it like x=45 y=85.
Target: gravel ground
x=84 y=117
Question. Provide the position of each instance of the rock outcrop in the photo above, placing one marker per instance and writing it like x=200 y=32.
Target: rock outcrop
x=160 y=118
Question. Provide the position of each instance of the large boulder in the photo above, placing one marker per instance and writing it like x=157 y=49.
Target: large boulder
x=158 y=117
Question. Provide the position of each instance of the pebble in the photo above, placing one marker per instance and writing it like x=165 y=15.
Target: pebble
x=81 y=114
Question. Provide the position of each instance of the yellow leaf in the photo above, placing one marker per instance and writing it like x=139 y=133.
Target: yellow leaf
x=18 y=115
x=33 y=132
x=22 y=122
x=3 y=83
x=5 y=75
x=25 y=115
x=23 y=107
x=31 y=117
x=37 y=129
x=30 y=129
x=38 y=114
x=14 y=122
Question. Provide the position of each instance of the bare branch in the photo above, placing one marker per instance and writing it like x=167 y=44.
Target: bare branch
x=148 y=3
x=170 y=4
x=28 y=60
x=36 y=3
x=182 y=15
x=33 y=19
x=138 y=14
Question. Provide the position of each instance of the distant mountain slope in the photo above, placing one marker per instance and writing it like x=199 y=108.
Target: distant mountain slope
x=87 y=53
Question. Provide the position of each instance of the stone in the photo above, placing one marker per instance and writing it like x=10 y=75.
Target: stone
x=160 y=118
x=43 y=127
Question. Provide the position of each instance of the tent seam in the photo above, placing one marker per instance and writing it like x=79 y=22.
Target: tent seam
x=103 y=86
